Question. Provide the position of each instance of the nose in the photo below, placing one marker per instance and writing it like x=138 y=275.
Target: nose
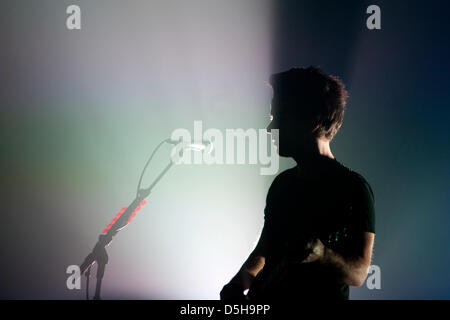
x=270 y=126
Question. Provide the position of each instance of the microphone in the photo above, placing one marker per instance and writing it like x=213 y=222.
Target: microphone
x=188 y=145
x=180 y=146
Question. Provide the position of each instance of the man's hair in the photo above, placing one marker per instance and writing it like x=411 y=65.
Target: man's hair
x=312 y=96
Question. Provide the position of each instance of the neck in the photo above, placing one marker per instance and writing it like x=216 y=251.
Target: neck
x=308 y=157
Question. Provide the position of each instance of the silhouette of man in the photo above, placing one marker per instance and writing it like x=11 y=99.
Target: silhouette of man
x=319 y=220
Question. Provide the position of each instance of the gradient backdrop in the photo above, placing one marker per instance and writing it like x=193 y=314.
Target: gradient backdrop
x=82 y=110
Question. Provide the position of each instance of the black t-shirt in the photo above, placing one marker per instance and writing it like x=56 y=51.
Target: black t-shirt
x=333 y=205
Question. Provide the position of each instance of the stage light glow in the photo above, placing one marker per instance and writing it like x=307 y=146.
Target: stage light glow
x=179 y=62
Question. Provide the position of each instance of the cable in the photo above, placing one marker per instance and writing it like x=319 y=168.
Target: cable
x=145 y=167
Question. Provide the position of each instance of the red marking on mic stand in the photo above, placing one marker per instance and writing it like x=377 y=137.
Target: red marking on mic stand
x=118 y=214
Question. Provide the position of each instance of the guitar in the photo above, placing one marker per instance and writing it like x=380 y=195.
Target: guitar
x=297 y=250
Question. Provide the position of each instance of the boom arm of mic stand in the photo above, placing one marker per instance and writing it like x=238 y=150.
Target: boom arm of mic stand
x=99 y=253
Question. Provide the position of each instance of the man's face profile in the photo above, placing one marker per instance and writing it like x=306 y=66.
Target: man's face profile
x=295 y=131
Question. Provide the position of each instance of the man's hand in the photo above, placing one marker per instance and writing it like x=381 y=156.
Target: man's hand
x=352 y=268
x=234 y=290
x=317 y=251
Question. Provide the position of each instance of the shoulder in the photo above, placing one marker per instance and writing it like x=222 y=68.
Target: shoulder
x=284 y=177
x=281 y=182
x=362 y=187
x=353 y=182
x=288 y=173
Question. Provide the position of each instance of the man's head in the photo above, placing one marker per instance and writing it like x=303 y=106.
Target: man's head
x=307 y=105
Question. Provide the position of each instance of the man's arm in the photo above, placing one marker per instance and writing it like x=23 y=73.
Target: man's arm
x=251 y=267
x=351 y=268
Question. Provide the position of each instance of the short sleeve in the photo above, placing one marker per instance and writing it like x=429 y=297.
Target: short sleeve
x=273 y=195
x=363 y=206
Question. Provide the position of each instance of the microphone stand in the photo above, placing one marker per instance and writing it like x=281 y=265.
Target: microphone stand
x=99 y=254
